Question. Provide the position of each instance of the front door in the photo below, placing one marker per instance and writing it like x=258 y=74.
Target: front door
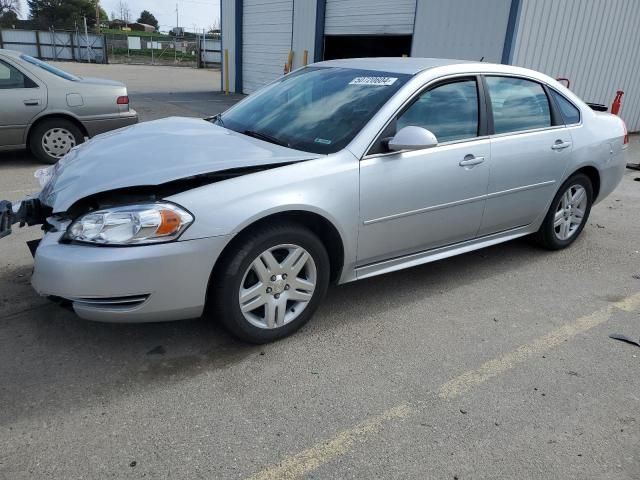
x=412 y=201
x=530 y=151
x=21 y=99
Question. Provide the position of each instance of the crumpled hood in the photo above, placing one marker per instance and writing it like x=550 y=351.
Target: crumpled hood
x=153 y=153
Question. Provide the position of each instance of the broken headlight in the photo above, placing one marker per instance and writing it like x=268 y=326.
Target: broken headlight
x=131 y=225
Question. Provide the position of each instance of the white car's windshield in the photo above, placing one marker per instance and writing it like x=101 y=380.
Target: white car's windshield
x=49 y=68
x=316 y=109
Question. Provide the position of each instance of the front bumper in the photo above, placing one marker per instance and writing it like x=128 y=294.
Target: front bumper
x=147 y=283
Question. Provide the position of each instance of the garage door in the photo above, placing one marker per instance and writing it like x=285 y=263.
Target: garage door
x=266 y=41
x=369 y=17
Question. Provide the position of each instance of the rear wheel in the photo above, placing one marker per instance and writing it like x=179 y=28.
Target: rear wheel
x=271 y=283
x=52 y=139
x=568 y=213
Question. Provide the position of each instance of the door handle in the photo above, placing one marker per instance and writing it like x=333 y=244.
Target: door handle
x=471 y=160
x=560 y=145
x=31 y=103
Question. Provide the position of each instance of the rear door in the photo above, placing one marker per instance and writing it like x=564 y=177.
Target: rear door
x=530 y=151
x=21 y=99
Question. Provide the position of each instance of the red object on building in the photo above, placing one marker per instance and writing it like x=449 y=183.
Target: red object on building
x=617 y=102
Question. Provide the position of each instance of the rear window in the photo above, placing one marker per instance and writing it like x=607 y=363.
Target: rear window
x=518 y=104
x=49 y=68
x=570 y=114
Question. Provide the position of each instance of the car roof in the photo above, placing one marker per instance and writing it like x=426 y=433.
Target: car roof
x=406 y=65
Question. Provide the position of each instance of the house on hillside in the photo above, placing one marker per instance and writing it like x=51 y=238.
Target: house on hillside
x=142 y=27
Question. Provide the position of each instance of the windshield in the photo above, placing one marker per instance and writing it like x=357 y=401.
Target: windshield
x=316 y=109
x=49 y=68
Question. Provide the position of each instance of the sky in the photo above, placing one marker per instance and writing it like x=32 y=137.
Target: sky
x=192 y=13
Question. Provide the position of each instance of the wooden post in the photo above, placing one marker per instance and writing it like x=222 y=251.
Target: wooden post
x=226 y=71
x=305 y=58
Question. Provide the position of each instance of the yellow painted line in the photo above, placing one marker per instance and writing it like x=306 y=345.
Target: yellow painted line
x=495 y=367
x=312 y=458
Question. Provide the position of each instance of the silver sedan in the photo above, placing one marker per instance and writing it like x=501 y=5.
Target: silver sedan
x=51 y=111
x=338 y=171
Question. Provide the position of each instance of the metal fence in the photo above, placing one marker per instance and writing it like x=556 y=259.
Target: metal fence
x=196 y=51
x=56 y=45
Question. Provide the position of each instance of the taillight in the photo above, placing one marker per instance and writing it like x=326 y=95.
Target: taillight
x=123 y=100
x=626 y=133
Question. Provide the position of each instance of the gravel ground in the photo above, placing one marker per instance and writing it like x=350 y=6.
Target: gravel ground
x=494 y=364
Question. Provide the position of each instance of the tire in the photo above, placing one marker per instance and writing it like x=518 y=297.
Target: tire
x=51 y=139
x=554 y=236
x=282 y=305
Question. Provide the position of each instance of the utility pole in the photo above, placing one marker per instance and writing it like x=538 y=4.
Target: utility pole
x=98 y=15
x=86 y=36
x=177 y=19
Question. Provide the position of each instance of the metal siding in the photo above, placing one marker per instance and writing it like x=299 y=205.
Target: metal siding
x=266 y=41
x=304 y=29
x=462 y=29
x=369 y=17
x=228 y=14
x=594 y=43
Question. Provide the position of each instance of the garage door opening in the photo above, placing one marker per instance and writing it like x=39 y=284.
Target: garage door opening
x=353 y=46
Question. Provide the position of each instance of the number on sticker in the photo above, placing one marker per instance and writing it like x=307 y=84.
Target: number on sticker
x=375 y=81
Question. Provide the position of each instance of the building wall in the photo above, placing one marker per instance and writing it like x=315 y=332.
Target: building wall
x=304 y=30
x=461 y=29
x=266 y=41
x=228 y=22
x=594 y=43
x=369 y=17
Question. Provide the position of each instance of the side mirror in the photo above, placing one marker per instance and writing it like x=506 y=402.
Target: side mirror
x=412 y=138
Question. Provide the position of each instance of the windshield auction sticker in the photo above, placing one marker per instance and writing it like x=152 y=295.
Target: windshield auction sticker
x=375 y=81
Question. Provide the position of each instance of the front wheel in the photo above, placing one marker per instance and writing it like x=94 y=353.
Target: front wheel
x=271 y=283
x=568 y=213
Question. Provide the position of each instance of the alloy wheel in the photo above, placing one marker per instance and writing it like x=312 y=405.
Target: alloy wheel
x=570 y=212
x=277 y=286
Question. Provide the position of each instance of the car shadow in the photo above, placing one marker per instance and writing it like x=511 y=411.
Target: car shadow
x=19 y=158
x=54 y=358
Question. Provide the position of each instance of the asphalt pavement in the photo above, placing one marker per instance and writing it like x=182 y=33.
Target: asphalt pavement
x=493 y=364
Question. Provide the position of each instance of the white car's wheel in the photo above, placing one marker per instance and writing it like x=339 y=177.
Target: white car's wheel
x=568 y=213
x=271 y=282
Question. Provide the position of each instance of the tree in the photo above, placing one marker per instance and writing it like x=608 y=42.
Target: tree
x=12 y=6
x=62 y=13
x=147 y=17
x=125 y=13
x=9 y=10
x=8 y=18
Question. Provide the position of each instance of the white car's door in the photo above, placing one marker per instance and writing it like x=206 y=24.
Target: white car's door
x=412 y=201
x=21 y=99
x=530 y=151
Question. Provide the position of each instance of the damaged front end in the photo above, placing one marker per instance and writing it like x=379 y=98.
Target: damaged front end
x=27 y=212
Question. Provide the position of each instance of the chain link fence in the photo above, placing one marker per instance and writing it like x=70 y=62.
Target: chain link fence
x=193 y=51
